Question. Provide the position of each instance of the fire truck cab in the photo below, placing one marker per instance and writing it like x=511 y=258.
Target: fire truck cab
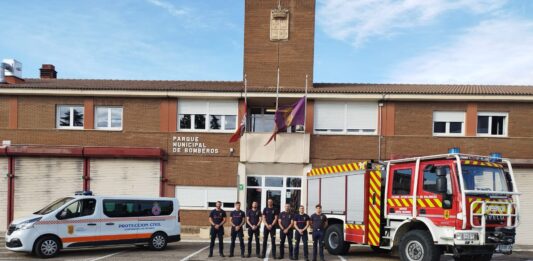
x=420 y=208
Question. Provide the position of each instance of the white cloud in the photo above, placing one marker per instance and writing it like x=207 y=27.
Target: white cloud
x=357 y=20
x=173 y=10
x=496 y=51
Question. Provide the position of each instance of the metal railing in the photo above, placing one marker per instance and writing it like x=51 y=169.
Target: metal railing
x=510 y=213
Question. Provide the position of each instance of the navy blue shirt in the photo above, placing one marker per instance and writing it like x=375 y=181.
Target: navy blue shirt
x=318 y=221
x=217 y=216
x=237 y=216
x=254 y=216
x=300 y=220
x=286 y=218
x=270 y=214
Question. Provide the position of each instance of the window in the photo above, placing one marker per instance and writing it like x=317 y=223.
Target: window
x=492 y=124
x=80 y=208
x=137 y=208
x=346 y=117
x=448 y=123
x=430 y=179
x=148 y=208
x=283 y=190
x=108 y=118
x=120 y=208
x=401 y=182
x=199 y=115
x=69 y=117
x=192 y=197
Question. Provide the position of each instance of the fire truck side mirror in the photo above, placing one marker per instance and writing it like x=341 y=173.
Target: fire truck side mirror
x=442 y=184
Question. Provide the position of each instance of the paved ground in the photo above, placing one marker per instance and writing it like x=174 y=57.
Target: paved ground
x=198 y=250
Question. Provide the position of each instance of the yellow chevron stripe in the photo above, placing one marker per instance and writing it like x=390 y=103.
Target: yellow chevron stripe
x=390 y=202
x=405 y=203
x=355 y=166
x=429 y=203
x=438 y=202
x=397 y=202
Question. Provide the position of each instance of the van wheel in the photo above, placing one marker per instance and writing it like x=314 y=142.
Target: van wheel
x=334 y=240
x=47 y=247
x=417 y=245
x=158 y=241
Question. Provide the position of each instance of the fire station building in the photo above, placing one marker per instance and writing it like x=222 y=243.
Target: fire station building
x=171 y=138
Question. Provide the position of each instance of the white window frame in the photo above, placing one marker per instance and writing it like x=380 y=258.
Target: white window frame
x=490 y=114
x=447 y=133
x=283 y=188
x=345 y=128
x=108 y=127
x=71 y=123
x=205 y=191
x=207 y=120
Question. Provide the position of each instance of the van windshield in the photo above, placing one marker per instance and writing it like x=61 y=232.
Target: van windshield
x=53 y=206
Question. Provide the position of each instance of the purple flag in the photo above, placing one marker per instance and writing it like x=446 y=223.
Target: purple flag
x=286 y=116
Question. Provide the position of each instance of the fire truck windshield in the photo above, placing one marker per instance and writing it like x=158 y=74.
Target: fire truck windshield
x=484 y=178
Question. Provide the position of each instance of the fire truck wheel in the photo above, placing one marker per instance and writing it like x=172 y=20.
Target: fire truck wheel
x=417 y=245
x=334 y=240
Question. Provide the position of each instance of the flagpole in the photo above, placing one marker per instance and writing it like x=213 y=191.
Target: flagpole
x=246 y=118
x=305 y=118
x=277 y=104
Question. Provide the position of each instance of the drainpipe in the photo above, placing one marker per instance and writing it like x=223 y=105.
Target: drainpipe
x=380 y=104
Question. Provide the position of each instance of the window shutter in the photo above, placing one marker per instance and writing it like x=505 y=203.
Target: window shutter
x=225 y=107
x=362 y=115
x=192 y=107
x=329 y=115
x=449 y=116
x=191 y=197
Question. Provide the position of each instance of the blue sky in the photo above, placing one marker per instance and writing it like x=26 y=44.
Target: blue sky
x=375 y=41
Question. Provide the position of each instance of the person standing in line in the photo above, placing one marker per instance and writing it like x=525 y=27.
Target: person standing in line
x=253 y=219
x=237 y=223
x=217 y=218
x=270 y=218
x=301 y=224
x=319 y=223
x=286 y=224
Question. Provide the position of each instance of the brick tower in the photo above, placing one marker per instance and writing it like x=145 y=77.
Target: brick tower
x=279 y=33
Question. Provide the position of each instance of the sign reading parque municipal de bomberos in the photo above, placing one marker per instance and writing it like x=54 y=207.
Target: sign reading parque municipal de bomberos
x=191 y=145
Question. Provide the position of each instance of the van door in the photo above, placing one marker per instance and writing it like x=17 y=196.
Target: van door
x=120 y=221
x=78 y=223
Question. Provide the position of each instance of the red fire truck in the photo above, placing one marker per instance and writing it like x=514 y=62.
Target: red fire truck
x=420 y=208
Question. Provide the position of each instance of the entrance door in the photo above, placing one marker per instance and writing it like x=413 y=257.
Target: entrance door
x=275 y=195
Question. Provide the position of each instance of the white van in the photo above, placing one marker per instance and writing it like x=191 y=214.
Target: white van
x=85 y=220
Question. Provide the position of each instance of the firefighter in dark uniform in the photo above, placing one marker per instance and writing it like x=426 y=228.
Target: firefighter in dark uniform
x=217 y=218
x=286 y=230
x=237 y=223
x=270 y=218
x=253 y=219
x=301 y=224
x=319 y=222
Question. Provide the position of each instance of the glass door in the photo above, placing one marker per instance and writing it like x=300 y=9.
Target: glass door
x=280 y=189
